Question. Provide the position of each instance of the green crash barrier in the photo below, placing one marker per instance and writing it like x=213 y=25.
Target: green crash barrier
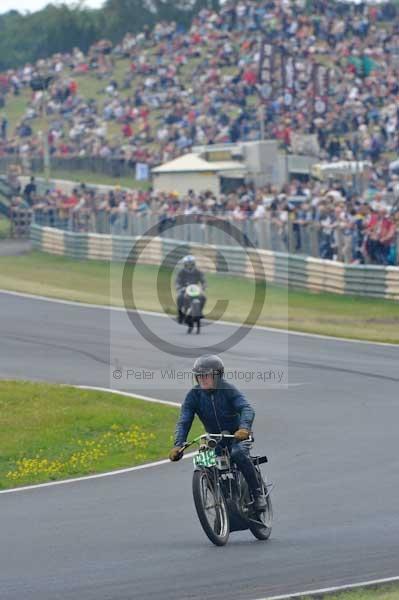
x=309 y=273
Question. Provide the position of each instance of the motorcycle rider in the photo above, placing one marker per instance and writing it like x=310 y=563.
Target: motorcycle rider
x=188 y=275
x=221 y=407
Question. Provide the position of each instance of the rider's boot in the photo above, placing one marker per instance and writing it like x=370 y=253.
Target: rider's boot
x=199 y=326
x=180 y=317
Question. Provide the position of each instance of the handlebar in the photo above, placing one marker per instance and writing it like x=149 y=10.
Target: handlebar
x=217 y=435
x=208 y=436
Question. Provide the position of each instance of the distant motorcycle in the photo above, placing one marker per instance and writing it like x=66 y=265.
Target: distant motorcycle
x=192 y=307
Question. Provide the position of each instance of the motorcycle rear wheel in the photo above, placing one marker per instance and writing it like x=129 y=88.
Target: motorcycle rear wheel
x=265 y=518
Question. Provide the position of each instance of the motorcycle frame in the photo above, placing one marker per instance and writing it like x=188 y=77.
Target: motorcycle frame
x=230 y=480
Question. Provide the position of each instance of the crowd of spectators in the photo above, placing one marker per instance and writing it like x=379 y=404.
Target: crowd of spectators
x=304 y=217
x=156 y=94
x=167 y=89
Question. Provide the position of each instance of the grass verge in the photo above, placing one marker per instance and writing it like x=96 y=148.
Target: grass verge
x=91 y=281
x=50 y=432
x=385 y=592
x=96 y=178
x=4 y=228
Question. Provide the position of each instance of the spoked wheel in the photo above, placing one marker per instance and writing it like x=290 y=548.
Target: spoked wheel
x=211 y=508
x=265 y=518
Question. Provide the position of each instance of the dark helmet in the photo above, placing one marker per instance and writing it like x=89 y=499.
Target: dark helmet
x=208 y=364
x=189 y=262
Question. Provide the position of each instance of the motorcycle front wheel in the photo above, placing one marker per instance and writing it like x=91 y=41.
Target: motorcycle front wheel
x=211 y=508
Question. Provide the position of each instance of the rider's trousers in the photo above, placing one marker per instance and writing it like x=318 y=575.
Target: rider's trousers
x=239 y=453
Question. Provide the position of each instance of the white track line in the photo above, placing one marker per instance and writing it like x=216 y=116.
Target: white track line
x=131 y=395
x=109 y=473
x=228 y=323
x=87 y=477
x=332 y=590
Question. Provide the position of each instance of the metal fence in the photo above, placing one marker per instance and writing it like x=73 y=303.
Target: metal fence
x=20 y=219
x=267 y=234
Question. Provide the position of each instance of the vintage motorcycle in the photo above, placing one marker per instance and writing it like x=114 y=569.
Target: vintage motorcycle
x=221 y=496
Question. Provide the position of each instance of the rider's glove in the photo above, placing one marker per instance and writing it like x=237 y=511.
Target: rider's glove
x=176 y=454
x=241 y=434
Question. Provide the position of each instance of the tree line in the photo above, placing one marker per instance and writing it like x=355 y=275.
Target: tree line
x=24 y=38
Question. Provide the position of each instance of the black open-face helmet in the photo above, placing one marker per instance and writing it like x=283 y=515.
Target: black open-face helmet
x=209 y=364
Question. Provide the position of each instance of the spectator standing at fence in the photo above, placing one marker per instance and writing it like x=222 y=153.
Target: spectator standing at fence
x=67 y=204
x=345 y=231
x=357 y=213
x=372 y=233
x=79 y=213
x=29 y=191
x=4 y=127
x=387 y=236
x=300 y=221
x=122 y=211
x=327 y=228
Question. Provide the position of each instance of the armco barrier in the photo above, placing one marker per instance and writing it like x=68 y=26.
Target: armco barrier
x=313 y=274
x=392 y=283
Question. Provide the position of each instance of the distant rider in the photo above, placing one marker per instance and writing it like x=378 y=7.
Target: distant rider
x=220 y=406
x=188 y=275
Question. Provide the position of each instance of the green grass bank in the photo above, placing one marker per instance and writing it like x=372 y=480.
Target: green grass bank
x=50 y=432
x=99 y=283
x=91 y=178
x=385 y=592
x=4 y=228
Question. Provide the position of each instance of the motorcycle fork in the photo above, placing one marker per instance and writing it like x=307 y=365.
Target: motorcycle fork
x=213 y=477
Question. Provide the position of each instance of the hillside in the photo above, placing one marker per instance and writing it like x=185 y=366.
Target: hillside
x=155 y=94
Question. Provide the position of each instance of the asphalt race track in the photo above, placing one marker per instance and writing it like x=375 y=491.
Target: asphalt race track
x=331 y=435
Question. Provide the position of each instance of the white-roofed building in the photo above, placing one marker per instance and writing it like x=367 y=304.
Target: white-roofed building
x=221 y=167
x=192 y=172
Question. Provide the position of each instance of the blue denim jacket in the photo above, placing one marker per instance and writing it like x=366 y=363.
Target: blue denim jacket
x=222 y=409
